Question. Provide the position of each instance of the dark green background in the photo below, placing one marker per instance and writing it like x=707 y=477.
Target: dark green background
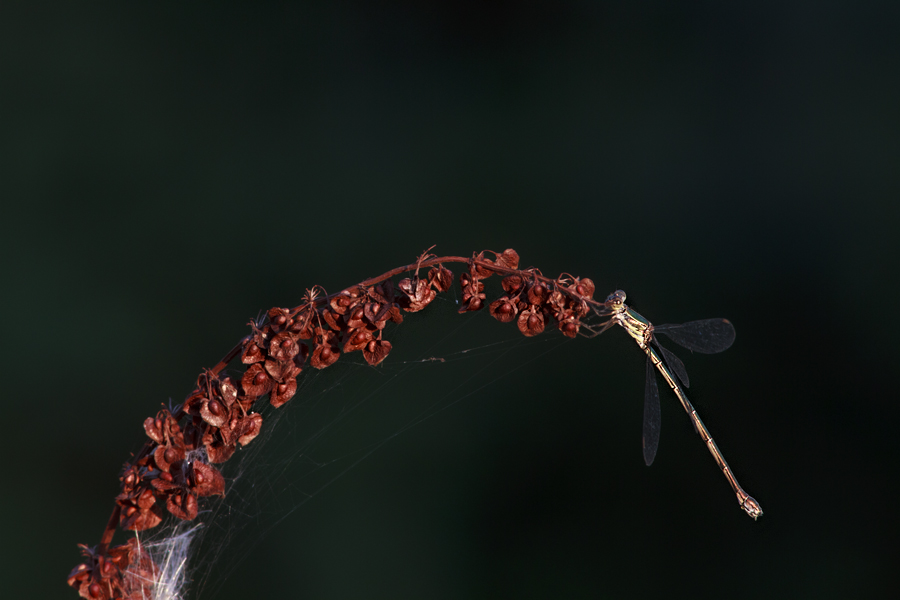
x=166 y=173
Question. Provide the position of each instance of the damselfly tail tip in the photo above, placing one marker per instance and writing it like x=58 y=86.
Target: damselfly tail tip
x=752 y=507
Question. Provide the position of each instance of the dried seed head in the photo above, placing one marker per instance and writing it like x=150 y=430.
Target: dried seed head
x=193 y=434
x=279 y=319
x=333 y=320
x=569 y=326
x=214 y=412
x=165 y=456
x=345 y=301
x=503 y=309
x=183 y=505
x=206 y=480
x=472 y=303
x=376 y=312
x=259 y=336
x=100 y=577
x=228 y=391
x=163 y=428
x=479 y=271
x=130 y=478
x=383 y=292
x=509 y=259
x=557 y=301
x=252 y=353
x=139 y=510
x=324 y=356
x=376 y=351
x=357 y=317
x=472 y=292
x=218 y=451
x=417 y=294
x=304 y=323
x=538 y=293
x=531 y=322
x=284 y=346
x=282 y=393
x=250 y=427
x=512 y=284
x=326 y=352
x=441 y=278
x=217 y=414
x=281 y=371
x=153 y=427
x=358 y=338
x=255 y=381
x=584 y=288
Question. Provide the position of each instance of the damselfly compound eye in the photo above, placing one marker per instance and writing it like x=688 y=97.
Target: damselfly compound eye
x=617 y=297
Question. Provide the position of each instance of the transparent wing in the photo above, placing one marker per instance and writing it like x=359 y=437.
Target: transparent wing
x=675 y=365
x=651 y=415
x=708 y=336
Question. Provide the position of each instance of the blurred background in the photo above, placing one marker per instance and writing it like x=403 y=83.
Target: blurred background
x=168 y=172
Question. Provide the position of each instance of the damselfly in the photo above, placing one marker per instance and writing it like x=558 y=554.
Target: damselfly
x=708 y=336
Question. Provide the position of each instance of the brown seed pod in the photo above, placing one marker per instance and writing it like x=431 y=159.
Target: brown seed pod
x=503 y=309
x=509 y=259
x=250 y=427
x=218 y=450
x=166 y=456
x=357 y=318
x=326 y=351
x=163 y=428
x=130 y=478
x=153 y=427
x=283 y=392
x=304 y=323
x=139 y=511
x=324 y=356
x=279 y=319
x=512 y=284
x=358 y=338
x=205 y=480
x=441 y=278
x=479 y=271
x=584 y=288
x=281 y=371
x=473 y=296
x=376 y=313
x=417 y=294
x=345 y=301
x=333 y=319
x=383 y=292
x=284 y=346
x=256 y=381
x=228 y=391
x=538 y=293
x=183 y=505
x=252 y=353
x=531 y=321
x=376 y=351
x=569 y=326
x=214 y=412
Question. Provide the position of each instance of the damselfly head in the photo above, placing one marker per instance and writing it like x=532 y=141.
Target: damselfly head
x=616 y=299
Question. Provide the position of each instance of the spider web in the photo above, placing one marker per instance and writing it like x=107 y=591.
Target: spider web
x=441 y=364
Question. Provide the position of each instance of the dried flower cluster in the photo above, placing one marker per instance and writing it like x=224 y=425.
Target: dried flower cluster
x=175 y=467
x=120 y=572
